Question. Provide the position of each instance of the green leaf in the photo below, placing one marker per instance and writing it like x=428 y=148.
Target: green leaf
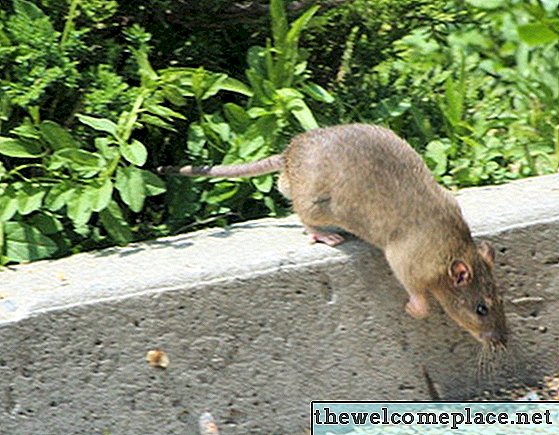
x=114 y=223
x=80 y=207
x=135 y=184
x=537 y=34
x=288 y=94
x=256 y=83
x=149 y=76
x=279 y=22
x=30 y=198
x=234 y=85
x=164 y=112
x=264 y=183
x=130 y=184
x=257 y=112
x=26 y=130
x=175 y=95
x=298 y=26
x=154 y=185
x=221 y=192
x=181 y=75
x=255 y=59
x=59 y=195
x=26 y=243
x=436 y=154
x=134 y=152
x=454 y=104
x=156 y=121
x=550 y=5
x=395 y=106
x=300 y=68
x=56 y=136
x=303 y=114
x=81 y=157
x=105 y=146
x=237 y=116
x=317 y=92
x=272 y=206
x=219 y=127
x=46 y=223
x=84 y=162
x=29 y=9
x=99 y=124
x=486 y=4
x=18 y=148
x=196 y=139
x=249 y=148
x=101 y=196
x=212 y=84
x=265 y=126
x=8 y=204
x=200 y=82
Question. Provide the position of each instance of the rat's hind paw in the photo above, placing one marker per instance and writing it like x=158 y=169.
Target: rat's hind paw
x=331 y=239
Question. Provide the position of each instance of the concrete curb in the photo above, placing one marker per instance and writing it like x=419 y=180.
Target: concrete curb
x=256 y=323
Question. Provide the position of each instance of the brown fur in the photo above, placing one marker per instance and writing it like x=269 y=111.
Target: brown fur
x=370 y=182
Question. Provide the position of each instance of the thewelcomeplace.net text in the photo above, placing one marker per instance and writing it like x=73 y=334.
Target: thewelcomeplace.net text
x=452 y=419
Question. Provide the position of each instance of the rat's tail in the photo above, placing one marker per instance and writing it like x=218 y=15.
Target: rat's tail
x=265 y=166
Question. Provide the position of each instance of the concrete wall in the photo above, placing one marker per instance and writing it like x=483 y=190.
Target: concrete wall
x=256 y=323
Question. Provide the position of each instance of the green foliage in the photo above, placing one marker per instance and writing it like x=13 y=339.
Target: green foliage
x=95 y=94
x=347 y=41
x=60 y=191
x=277 y=87
x=74 y=131
x=475 y=89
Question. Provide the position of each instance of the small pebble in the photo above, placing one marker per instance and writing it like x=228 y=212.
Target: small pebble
x=157 y=358
x=206 y=425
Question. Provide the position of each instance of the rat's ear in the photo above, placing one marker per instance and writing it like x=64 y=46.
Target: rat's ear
x=487 y=252
x=460 y=273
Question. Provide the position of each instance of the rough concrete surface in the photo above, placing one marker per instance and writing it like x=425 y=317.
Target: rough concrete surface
x=256 y=323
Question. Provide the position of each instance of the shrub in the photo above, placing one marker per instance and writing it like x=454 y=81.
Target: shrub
x=62 y=192
x=472 y=85
x=95 y=94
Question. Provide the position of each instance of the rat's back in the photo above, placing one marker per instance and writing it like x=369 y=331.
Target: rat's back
x=365 y=179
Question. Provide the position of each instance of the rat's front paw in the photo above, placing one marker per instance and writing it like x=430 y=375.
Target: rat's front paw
x=417 y=307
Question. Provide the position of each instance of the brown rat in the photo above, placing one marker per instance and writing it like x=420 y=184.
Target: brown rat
x=370 y=182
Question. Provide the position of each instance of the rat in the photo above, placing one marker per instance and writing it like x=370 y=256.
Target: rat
x=370 y=182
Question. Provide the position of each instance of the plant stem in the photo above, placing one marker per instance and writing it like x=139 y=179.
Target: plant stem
x=133 y=115
x=529 y=159
x=19 y=168
x=2 y=261
x=112 y=167
x=556 y=140
x=69 y=24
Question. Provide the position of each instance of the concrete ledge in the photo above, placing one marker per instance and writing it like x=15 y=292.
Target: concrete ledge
x=256 y=323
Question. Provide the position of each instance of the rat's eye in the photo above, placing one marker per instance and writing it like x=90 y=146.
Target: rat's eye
x=481 y=309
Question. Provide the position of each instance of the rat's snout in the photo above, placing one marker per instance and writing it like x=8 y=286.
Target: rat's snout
x=495 y=338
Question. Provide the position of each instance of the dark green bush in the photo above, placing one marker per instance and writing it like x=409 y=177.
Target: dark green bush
x=95 y=94
x=81 y=113
x=470 y=83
